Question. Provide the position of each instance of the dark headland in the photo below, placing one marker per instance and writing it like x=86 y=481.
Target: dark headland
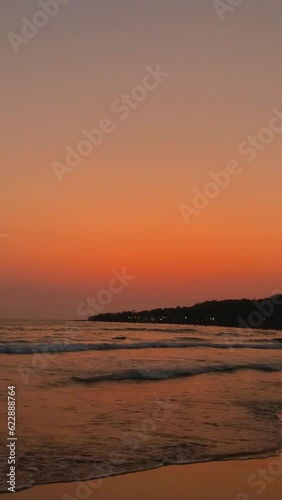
x=244 y=313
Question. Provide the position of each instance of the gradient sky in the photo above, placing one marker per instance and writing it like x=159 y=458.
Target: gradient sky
x=120 y=207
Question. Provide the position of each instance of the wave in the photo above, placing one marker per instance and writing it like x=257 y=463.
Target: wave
x=19 y=348
x=148 y=329
x=12 y=328
x=165 y=374
x=105 y=469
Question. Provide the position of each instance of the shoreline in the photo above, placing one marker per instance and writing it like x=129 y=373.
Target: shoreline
x=227 y=313
x=266 y=455
x=206 y=325
x=236 y=479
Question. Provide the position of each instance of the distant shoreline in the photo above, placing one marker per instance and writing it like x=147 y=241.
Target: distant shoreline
x=265 y=314
x=277 y=328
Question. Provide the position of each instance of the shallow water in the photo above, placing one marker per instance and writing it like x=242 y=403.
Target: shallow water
x=100 y=399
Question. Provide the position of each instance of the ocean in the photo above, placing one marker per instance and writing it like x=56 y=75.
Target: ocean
x=99 y=399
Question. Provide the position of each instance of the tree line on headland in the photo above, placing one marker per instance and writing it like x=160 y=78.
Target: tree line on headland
x=244 y=313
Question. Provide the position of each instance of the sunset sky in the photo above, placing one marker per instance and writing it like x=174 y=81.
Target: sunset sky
x=120 y=207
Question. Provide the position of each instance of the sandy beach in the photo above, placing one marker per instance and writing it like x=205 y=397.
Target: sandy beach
x=230 y=480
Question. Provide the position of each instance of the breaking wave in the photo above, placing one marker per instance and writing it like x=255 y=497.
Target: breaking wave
x=19 y=348
x=165 y=374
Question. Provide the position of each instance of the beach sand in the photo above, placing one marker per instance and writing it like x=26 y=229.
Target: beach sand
x=230 y=480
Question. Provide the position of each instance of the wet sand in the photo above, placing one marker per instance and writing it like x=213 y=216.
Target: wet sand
x=230 y=480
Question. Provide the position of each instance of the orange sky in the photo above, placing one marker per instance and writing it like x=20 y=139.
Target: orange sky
x=120 y=207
